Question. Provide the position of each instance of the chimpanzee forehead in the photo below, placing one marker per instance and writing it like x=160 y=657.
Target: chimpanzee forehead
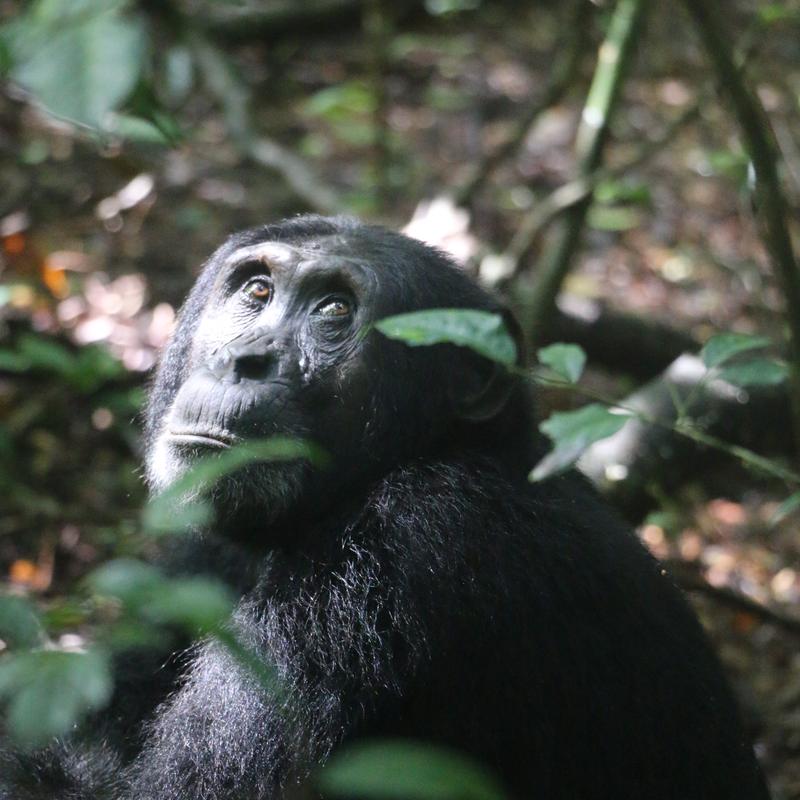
x=326 y=253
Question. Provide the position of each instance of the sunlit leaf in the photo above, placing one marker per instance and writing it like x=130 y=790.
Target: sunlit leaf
x=759 y=372
x=481 y=331
x=342 y=101
x=617 y=191
x=777 y=12
x=724 y=346
x=613 y=218
x=730 y=164
x=48 y=691
x=566 y=360
x=572 y=432
x=404 y=770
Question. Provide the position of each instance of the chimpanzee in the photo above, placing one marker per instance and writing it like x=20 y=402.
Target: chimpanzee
x=419 y=586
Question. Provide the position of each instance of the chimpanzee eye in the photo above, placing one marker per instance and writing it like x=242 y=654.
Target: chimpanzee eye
x=258 y=289
x=334 y=307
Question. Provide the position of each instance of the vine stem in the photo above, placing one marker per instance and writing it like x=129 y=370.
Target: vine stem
x=742 y=454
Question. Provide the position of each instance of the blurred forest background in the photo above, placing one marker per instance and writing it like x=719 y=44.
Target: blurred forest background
x=626 y=174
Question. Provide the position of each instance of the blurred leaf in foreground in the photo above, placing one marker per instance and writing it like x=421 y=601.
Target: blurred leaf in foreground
x=19 y=622
x=48 y=691
x=197 y=605
x=407 y=770
x=181 y=506
x=80 y=59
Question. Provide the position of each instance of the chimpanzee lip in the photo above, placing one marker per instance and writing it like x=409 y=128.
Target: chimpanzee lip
x=202 y=438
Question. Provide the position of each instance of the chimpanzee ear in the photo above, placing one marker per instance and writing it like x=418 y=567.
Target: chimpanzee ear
x=490 y=383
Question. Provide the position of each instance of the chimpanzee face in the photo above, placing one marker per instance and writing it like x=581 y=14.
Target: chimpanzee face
x=276 y=340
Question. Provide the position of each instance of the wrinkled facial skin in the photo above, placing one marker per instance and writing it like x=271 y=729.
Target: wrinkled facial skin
x=277 y=351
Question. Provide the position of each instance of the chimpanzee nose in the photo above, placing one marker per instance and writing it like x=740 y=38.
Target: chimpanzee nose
x=254 y=361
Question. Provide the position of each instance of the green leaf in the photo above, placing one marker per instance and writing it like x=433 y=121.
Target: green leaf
x=787 y=507
x=777 y=12
x=572 y=432
x=19 y=622
x=342 y=101
x=172 y=512
x=47 y=354
x=11 y=361
x=125 y=578
x=196 y=604
x=481 y=331
x=181 y=505
x=613 y=218
x=724 y=346
x=404 y=770
x=135 y=129
x=566 y=360
x=79 y=66
x=730 y=164
x=48 y=691
x=92 y=367
x=759 y=372
x=622 y=191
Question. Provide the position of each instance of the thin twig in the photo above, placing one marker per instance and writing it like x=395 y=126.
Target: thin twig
x=234 y=96
x=561 y=78
x=570 y=194
x=687 y=577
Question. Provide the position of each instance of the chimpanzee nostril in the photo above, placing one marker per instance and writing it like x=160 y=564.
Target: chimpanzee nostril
x=231 y=366
x=254 y=367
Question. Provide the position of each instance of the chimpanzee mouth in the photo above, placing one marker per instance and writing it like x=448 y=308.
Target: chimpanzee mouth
x=219 y=441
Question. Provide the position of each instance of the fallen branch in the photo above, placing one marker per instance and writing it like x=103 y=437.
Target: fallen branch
x=606 y=337
x=688 y=577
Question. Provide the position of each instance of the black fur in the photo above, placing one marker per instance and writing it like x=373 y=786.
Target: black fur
x=436 y=594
